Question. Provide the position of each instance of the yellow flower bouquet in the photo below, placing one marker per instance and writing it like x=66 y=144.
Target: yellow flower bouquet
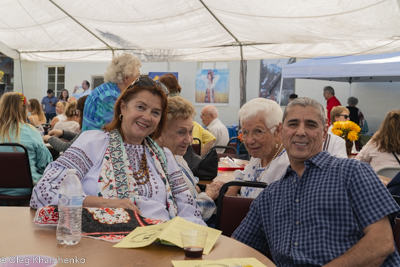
x=348 y=130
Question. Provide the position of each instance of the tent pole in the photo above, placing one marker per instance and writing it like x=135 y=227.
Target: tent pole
x=243 y=65
x=242 y=78
x=350 y=81
x=349 y=89
x=20 y=69
x=280 y=91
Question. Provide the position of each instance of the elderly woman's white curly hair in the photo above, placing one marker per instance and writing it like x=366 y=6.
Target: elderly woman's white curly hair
x=121 y=66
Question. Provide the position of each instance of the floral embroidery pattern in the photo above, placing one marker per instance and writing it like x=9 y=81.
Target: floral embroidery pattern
x=110 y=215
x=46 y=216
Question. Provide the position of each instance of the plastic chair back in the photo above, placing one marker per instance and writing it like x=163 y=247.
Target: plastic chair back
x=15 y=170
x=232 y=210
x=196 y=145
x=388 y=171
x=229 y=152
x=396 y=234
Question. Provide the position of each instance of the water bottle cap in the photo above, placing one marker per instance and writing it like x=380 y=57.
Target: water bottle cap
x=71 y=171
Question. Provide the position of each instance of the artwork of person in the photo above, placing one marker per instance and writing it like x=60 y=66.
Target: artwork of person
x=210 y=81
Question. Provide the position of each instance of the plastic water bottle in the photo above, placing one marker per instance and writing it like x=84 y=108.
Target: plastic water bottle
x=70 y=210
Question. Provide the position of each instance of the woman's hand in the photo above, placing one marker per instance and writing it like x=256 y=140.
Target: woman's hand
x=126 y=204
x=198 y=190
x=92 y=201
x=211 y=192
x=217 y=185
x=56 y=133
x=46 y=138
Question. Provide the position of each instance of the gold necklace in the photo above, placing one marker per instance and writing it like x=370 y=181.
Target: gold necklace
x=142 y=175
x=266 y=168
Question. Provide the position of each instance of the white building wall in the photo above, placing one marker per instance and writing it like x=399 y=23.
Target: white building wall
x=375 y=99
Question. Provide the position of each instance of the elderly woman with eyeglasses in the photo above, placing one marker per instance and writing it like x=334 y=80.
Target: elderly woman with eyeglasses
x=122 y=166
x=99 y=107
x=260 y=119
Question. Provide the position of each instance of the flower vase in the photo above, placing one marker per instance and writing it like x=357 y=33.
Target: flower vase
x=349 y=146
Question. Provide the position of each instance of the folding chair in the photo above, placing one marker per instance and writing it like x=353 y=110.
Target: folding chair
x=232 y=210
x=396 y=234
x=388 y=171
x=233 y=142
x=233 y=152
x=197 y=146
x=15 y=170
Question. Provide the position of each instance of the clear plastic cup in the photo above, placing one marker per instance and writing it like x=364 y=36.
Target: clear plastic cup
x=193 y=242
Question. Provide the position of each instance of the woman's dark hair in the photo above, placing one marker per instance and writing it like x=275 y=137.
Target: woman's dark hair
x=171 y=82
x=81 y=107
x=387 y=139
x=61 y=96
x=210 y=72
x=144 y=84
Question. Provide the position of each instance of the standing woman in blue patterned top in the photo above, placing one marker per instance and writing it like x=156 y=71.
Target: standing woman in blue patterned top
x=99 y=106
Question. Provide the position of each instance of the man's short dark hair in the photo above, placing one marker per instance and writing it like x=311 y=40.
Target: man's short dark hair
x=50 y=91
x=87 y=83
x=293 y=96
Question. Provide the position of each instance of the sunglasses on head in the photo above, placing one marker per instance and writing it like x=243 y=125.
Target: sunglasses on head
x=146 y=81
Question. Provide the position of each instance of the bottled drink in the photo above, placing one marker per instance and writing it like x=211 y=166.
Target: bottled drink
x=70 y=210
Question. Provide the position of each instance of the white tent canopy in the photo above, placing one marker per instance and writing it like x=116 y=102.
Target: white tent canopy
x=364 y=68
x=196 y=30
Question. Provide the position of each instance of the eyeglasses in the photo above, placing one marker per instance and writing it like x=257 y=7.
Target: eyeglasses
x=203 y=115
x=135 y=81
x=146 y=81
x=345 y=116
x=256 y=133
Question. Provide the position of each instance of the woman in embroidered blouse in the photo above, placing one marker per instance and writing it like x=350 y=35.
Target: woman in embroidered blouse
x=37 y=116
x=14 y=128
x=260 y=119
x=384 y=146
x=123 y=167
x=177 y=136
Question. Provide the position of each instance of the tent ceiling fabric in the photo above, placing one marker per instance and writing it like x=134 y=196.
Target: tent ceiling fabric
x=362 y=68
x=186 y=30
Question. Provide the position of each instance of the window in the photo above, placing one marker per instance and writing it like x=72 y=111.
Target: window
x=97 y=80
x=56 y=79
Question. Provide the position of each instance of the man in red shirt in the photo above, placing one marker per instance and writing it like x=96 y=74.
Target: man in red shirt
x=331 y=101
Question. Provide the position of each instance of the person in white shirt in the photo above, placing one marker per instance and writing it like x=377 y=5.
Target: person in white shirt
x=209 y=117
x=86 y=90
